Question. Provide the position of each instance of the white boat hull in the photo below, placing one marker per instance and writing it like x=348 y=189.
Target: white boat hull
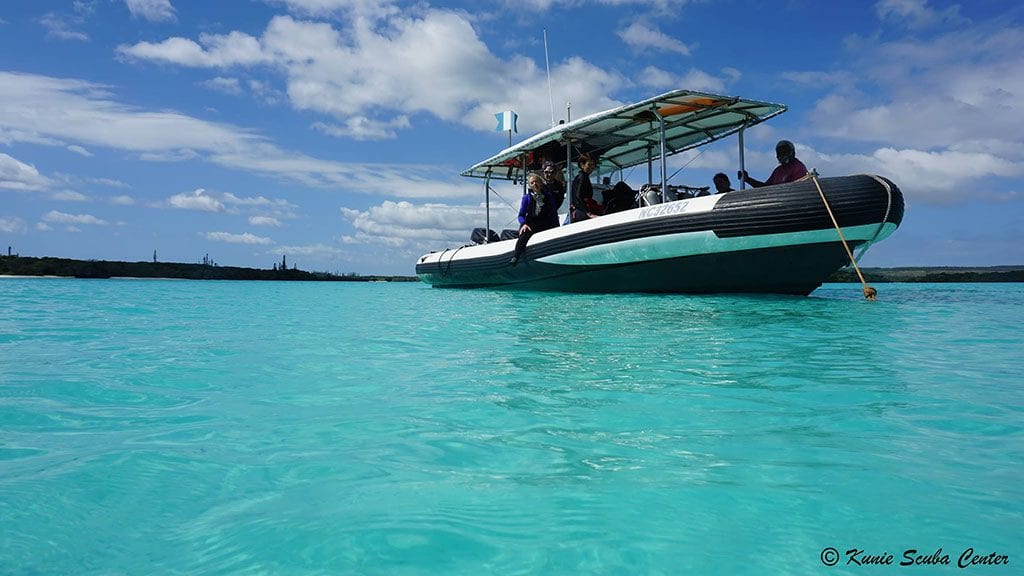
x=776 y=239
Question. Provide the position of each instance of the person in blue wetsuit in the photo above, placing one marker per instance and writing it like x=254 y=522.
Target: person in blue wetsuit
x=538 y=211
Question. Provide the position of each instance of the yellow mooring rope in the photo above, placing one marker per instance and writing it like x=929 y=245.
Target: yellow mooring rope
x=869 y=292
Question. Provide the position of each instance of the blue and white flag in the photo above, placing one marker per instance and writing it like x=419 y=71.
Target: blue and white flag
x=507 y=121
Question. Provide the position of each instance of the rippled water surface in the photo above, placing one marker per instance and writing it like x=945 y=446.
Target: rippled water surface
x=175 y=427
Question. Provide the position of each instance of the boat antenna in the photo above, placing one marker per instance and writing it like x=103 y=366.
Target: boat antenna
x=547 y=65
x=687 y=164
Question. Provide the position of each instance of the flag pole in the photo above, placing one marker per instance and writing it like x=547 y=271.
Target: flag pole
x=547 y=65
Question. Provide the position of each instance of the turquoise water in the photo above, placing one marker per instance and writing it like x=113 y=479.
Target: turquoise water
x=176 y=427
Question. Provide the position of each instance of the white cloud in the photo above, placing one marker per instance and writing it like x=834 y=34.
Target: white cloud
x=62 y=27
x=16 y=175
x=80 y=181
x=79 y=150
x=411 y=181
x=222 y=84
x=321 y=250
x=354 y=8
x=179 y=155
x=264 y=221
x=69 y=196
x=421 y=227
x=230 y=238
x=934 y=91
x=367 y=75
x=83 y=112
x=10 y=136
x=265 y=92
x=817 y=79
x=111 y=182
x=196 y=200
x=363 y=128
x=945 y=112
x=12 y=225
x=49 y=111
x=152 y=10
x=212 y=51
x=122 y=200
x=694 y=79
x=932 y=177
x=203 y=201
x=915 y=13
x=43 y=227
x=642 y=38
x=55 y=217
x=657 y=6
x=230 y=198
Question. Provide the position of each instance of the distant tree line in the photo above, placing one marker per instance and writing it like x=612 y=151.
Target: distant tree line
x=15 y=265
x=933 y=274
x=29 y=266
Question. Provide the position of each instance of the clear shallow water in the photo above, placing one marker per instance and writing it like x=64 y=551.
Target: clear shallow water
x=180 y=427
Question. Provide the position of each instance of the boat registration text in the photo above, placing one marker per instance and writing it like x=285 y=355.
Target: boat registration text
x=663 y=209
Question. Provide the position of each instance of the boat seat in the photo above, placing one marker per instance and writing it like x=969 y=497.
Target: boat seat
x=483 y=236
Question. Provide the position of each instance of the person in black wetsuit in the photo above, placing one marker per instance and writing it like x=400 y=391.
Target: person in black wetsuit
x=583 y=204
x=554 y=182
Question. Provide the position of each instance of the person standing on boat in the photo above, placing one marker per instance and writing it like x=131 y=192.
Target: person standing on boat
x=722 y=183
x=554 y=182
x=537 y=212
x=583 y=204
x=789 y=169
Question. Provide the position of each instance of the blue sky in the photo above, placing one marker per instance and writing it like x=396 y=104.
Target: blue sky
x=333 y=131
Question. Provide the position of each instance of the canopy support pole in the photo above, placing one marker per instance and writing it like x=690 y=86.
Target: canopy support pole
x=568 y=178
x=487 y=202
x=743 y=164
x=661 y=137
x=650 y=166
x=525 y=173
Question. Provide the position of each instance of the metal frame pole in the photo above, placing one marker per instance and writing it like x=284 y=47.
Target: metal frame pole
x=568 y=176
x=743 y=164
x=664 y=173
x=487 y=201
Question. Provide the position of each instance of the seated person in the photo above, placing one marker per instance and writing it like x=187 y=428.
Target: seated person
x=537 y=212
x=789 y=169
x=722 y=183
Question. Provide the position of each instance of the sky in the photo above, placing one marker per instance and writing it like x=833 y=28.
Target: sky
x=332 y=132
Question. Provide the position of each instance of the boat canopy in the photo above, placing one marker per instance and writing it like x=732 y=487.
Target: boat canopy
x=632 y=134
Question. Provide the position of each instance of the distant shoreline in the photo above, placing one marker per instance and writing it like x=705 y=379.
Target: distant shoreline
x=27 y=266
x=933 y=274
x=32 y=267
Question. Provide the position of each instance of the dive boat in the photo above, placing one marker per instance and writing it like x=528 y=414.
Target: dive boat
x=772 y=239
